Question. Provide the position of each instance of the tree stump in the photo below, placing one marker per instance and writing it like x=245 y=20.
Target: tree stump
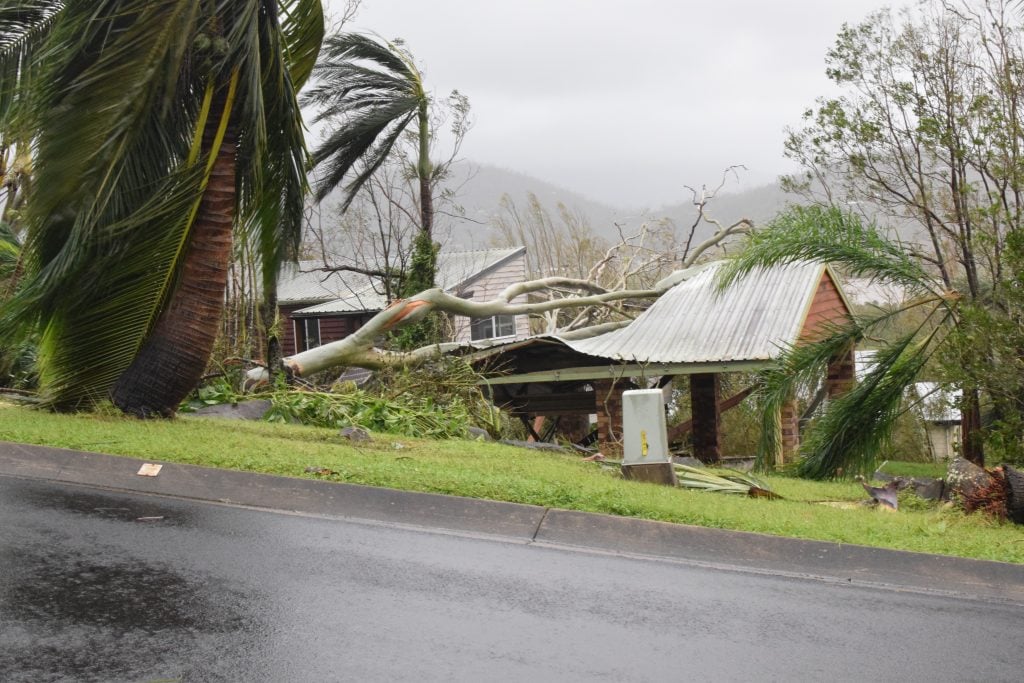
x=966 y=479
x=1015 y=489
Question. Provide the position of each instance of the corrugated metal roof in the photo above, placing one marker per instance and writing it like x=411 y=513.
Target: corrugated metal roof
x=753 y=319
x=345 y=292
x=460 y=267
x=364 y=301
x=302 y=283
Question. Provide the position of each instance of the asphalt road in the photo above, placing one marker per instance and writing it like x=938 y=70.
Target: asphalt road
x=104 y=586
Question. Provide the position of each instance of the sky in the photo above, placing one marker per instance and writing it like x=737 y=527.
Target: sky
x=629 y=101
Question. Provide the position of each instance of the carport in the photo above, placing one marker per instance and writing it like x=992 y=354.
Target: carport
x=694 y=329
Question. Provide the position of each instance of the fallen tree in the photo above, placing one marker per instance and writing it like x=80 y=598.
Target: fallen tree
x=359 y=349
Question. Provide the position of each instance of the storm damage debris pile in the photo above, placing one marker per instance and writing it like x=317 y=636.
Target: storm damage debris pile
x=998 y=491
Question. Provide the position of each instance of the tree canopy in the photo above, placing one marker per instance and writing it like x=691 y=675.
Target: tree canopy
x=925 y=142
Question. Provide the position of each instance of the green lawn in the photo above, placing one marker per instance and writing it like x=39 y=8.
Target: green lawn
x=483 y=470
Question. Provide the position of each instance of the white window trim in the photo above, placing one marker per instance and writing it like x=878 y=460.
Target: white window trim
x=495 y=327
x=303 y=339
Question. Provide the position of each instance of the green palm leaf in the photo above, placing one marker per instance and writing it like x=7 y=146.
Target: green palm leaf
x=373 y=91
x=116 y=110
x=828 y=235
x=846 y=438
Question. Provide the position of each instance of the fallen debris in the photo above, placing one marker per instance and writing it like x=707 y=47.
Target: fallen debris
x=885 y=496
x=355 y=434
x=322 y=471
x=149 y=470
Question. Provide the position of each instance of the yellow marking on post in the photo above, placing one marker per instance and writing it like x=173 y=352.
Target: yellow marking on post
x=643 y=443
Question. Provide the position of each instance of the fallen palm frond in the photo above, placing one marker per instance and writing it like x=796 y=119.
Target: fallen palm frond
x=698 y=478
x=729 y=481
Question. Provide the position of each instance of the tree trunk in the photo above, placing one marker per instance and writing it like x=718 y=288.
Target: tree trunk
x=174 y=356
x=970 y=428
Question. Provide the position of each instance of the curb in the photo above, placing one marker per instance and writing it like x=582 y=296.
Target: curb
x=714 y=548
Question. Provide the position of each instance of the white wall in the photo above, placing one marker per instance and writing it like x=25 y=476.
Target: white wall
x=490 y=285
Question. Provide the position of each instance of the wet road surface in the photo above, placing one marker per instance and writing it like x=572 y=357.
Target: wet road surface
x=104 y=586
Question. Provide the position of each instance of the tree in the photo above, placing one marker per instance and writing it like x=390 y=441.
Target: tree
x=375 y=234
x=372 y=92
x=546 y=297
x=158 y=129
x=567 y=247
x=846 y=438
x=926 y=137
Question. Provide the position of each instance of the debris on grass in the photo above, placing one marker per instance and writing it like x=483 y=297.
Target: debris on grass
x=723 y=481
x=321 y=471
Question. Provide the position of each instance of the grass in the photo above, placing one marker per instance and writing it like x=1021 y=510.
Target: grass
x=933 y=470
x=487 y=470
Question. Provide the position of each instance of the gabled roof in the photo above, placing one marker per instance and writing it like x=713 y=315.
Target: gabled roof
x=695 y=325
x=752 y=319
x=345 y=292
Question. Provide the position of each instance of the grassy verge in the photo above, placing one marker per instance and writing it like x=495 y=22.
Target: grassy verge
x=482 y=470
x=933 y=470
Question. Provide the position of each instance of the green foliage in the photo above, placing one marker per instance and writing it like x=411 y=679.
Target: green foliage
x=420 y=278
x=406 y=415
x=830 y=235
x=849 y=436
x=722 y=481
x=438 y=400
x=115 y=99
x=18 y=368
x=373 y=91
x=924 y=134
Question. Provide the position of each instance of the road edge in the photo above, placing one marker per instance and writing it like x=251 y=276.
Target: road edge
x=716 y=548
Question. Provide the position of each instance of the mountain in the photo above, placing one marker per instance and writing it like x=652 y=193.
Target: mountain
x=478 y=189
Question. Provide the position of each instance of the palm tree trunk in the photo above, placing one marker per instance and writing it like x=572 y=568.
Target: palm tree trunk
x=174 y=356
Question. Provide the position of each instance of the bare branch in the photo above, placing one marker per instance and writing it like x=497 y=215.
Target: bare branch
x=358 y=348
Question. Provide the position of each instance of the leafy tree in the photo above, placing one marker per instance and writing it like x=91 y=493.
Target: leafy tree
x=158 y=129
x=927 y=138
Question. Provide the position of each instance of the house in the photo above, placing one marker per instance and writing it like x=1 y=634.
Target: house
x=693 y=329
x=319 y=307
x=937 y=406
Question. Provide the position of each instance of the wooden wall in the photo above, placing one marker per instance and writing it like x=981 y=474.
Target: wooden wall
x=332 y=328
x=827 y=307
x=490 y=285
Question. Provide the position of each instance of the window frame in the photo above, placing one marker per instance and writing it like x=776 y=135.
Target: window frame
x=494 y=325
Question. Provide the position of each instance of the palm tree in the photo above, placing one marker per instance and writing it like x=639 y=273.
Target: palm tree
x=846 y=438
x=373 y=91
x=159 y=129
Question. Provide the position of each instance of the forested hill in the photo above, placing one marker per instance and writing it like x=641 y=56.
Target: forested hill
x=479 y=190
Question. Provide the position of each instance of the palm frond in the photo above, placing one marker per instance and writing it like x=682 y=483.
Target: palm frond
x=848 y=436
x=24 y=27
x=10 y=250
x=798 y=366
x=828 y=235
x=116 y=109
x=371 y=91
x=302 y=30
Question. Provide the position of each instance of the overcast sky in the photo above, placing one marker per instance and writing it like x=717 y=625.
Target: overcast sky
x=623 y=101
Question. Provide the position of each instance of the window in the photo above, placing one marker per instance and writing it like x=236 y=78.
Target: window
x=490 y=328
x=307 y=333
